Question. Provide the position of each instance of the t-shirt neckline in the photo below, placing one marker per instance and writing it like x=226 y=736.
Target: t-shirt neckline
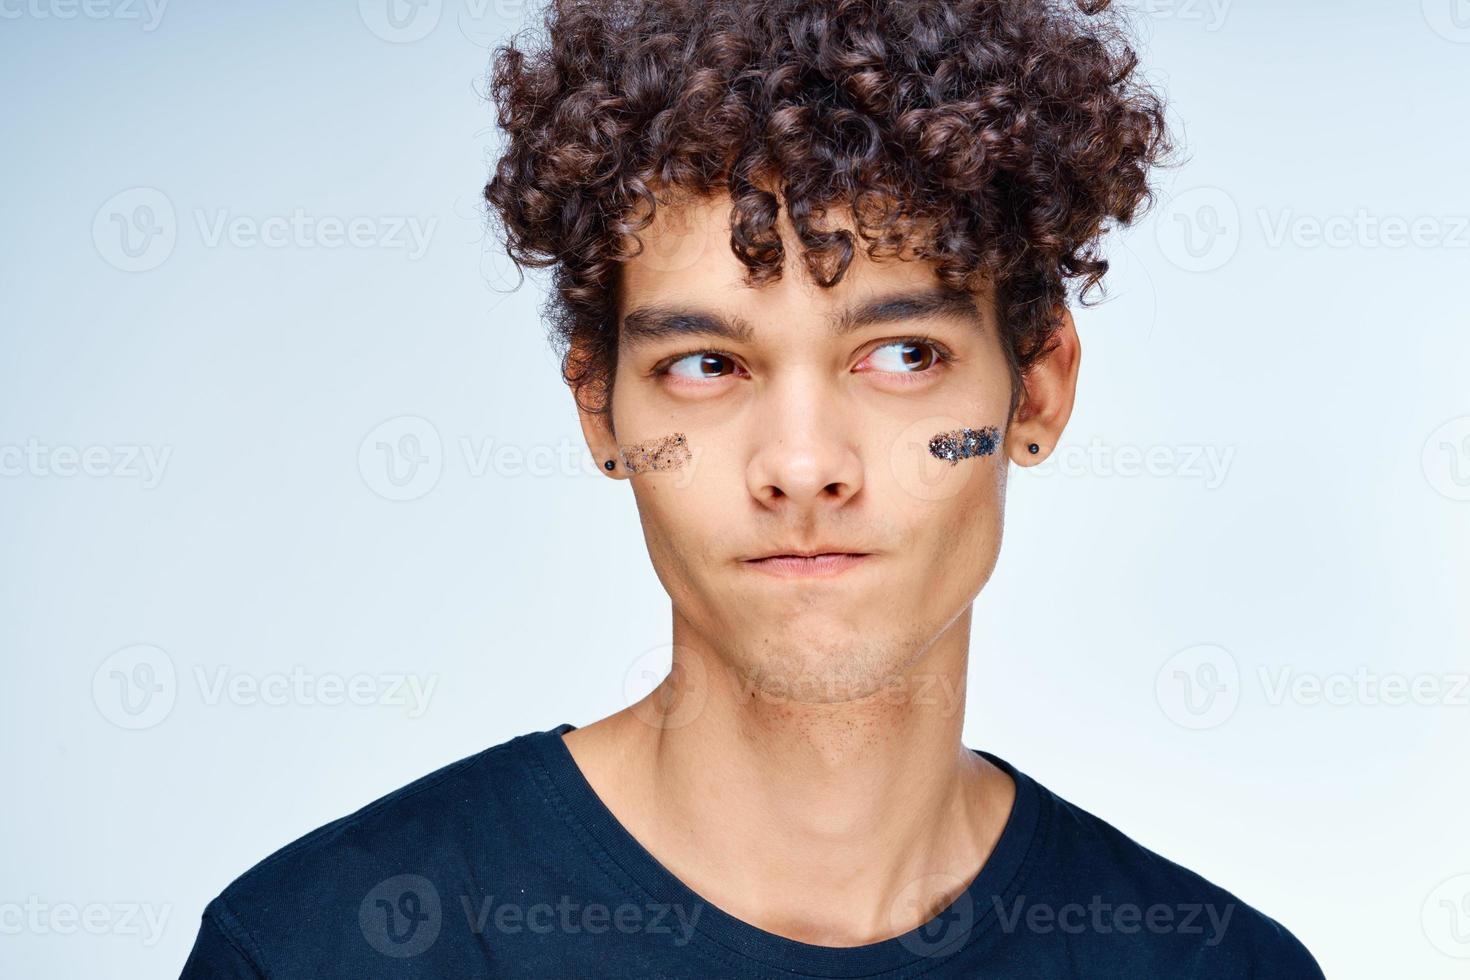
x=971 y=914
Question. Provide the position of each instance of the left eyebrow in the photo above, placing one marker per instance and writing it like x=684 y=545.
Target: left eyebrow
x=929 y=304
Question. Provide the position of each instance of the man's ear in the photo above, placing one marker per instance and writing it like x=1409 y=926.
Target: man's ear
x=1048 y=389
x=594 y=411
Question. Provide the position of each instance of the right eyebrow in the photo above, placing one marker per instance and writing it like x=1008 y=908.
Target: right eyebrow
x=649 y=323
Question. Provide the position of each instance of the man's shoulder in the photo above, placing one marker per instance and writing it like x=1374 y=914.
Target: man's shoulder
x=474 y=803
x=1118 y=887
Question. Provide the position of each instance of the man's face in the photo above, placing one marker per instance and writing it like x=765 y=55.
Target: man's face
x=808 y=415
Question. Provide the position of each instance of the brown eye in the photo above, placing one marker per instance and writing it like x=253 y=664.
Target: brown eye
x=918 y=356
x=904 y=357
x=701 y=366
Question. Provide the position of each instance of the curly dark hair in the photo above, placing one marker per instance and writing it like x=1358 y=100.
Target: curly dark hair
x=996 y=137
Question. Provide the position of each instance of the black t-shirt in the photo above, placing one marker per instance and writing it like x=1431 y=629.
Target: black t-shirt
x=507 y=864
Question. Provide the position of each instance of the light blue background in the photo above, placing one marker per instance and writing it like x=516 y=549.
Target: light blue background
x=1332 y=377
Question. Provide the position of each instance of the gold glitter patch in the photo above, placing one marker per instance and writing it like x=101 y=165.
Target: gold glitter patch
x=668 y=453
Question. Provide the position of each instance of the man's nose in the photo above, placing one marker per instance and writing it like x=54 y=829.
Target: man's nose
x=806 y=450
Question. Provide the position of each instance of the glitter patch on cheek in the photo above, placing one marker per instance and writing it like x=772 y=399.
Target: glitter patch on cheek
x=964 y=443
x=668 y=453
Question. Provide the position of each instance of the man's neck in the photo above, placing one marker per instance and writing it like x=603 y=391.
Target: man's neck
x=836 y=824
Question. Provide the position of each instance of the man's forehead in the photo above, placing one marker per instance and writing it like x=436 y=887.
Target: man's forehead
x=689 y=245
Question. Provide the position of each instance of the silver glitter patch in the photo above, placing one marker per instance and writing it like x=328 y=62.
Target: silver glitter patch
x=965 y=443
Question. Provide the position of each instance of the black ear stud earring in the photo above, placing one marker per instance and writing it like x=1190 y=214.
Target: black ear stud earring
x=609 y=465
x=1034 y=449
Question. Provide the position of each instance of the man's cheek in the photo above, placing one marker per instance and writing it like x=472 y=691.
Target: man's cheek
x=969 y=523
x=940 y=457
x=685 y=476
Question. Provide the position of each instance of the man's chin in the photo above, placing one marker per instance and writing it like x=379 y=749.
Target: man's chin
x=819 y=660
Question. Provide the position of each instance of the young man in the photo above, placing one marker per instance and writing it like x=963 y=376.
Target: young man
x=811 y=264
